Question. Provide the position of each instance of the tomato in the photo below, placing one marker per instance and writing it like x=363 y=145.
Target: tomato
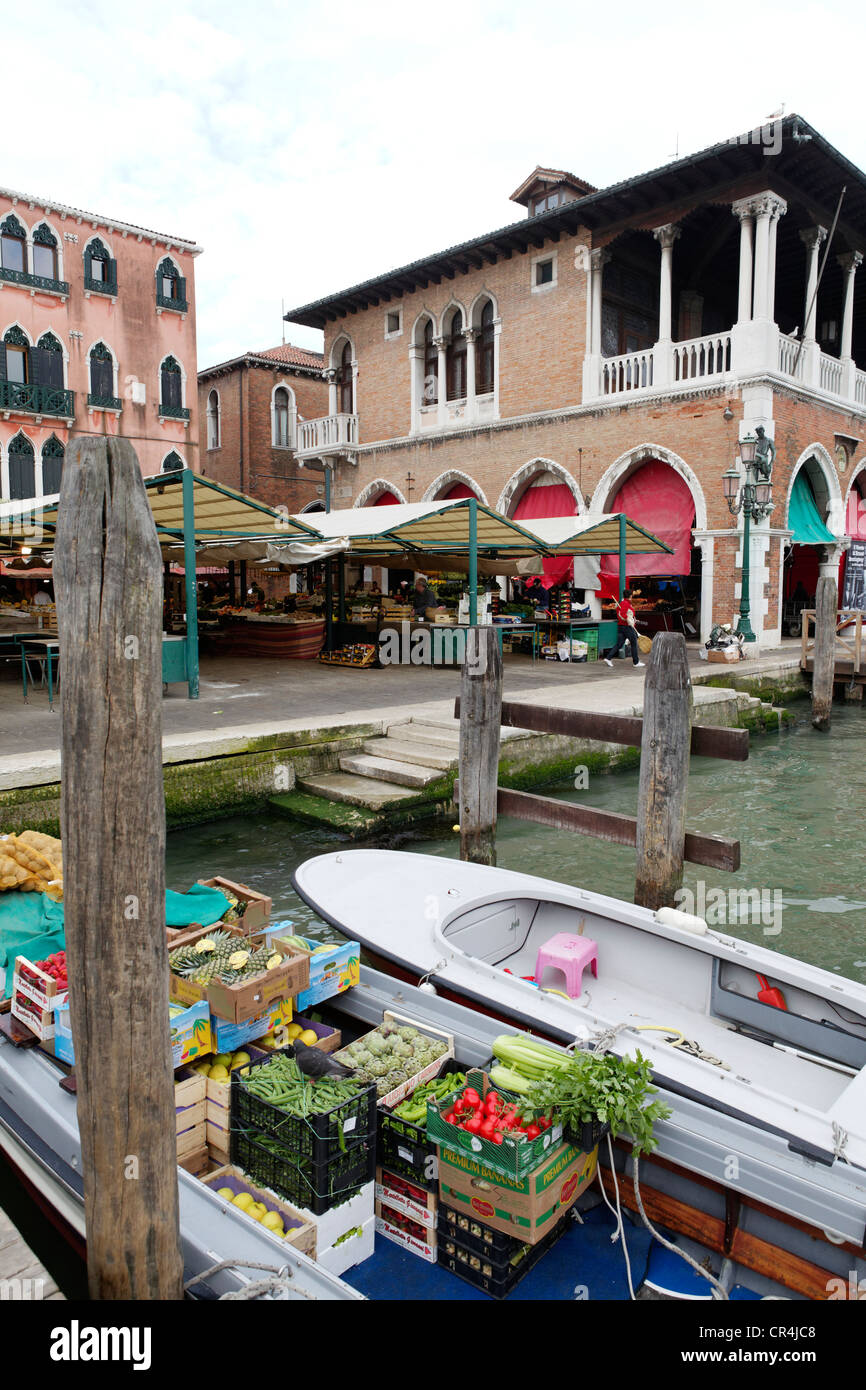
x=471 y=1096
x=487 y=1129
x=543 y=1122
x=497 y=1137
x=448 y=1117
x=533 y=1132
x=473 y=1125
x=491 y=1100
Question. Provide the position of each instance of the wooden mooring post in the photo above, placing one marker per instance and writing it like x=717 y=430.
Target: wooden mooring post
x=108 y=577
x=666 y=738
x=480 y=713
x=664 y=772
x=824 y=657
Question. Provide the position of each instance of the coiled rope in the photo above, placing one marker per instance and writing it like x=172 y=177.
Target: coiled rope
x=279 y=1283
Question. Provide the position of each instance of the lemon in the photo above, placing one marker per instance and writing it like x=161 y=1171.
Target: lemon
x=218 y=1073
x=272 y=1221
x=222 y=1059
x=294 y=1030
x=240 y=1059
x=308 y=1037
x=227 y=1193
x=244 y=1200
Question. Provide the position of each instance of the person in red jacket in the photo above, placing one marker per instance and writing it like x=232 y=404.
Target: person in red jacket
x=625 y=631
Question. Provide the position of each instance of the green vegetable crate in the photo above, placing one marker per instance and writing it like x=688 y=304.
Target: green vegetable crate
x=313 y=1159
x=384 y=1035
x=404 y=1145
x=513 y=1158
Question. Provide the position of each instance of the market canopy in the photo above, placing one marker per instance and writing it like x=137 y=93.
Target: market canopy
x=594 y=534
x=218 y=512
x=804 y=519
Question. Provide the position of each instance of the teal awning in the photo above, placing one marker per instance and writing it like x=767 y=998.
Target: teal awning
x=804 y=519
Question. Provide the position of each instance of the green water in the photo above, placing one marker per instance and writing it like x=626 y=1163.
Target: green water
x=797 y=807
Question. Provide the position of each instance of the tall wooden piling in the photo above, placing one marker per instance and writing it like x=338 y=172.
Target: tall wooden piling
x=108 y=578
x=824 y=657
x=664 y=771
x=480 y=709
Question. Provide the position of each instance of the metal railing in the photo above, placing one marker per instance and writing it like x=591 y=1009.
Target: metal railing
x=37 y=400
x=34 y=282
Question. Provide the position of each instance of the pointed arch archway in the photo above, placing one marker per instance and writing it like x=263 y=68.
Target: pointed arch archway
x=370 y=495
x=447 y=484
x=532 y=472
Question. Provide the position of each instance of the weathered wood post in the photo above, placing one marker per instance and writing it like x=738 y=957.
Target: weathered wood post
x=824 y=654
x=664 y=772
x=108 y=577
x=480 y=710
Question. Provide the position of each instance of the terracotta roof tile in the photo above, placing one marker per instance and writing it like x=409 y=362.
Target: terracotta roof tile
x=296 y=356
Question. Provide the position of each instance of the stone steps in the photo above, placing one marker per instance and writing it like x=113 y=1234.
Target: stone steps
x=389 y=770
x=405 y=751
x=368 y=792
x=425 y=734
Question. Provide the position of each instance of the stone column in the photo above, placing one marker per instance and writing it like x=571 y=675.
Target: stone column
x=416 y=379
x=663 y=351
x=849 y=263
x=497 y=330
x=768 y=209
x=811 y=237
x=599 y=259
x=583 y=261
x=744 y=210
x=470 y=334
x=330 y=376
x=441 y=345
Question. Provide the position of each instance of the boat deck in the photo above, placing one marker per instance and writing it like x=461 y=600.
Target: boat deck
x=21 y=1274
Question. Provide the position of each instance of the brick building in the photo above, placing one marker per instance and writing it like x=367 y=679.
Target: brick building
x=252 y=408
x=97 y=335
x=608 y=352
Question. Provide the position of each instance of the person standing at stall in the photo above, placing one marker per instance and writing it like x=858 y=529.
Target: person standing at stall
x=625 y=632
x=423 y=597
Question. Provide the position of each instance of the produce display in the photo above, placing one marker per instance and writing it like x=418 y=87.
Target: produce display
x=602 y=1087
x=246 y=1202
x=56 y=967
x=522 y=1060
x=218 y=956
x=414 y=1108
x=391 y=1055
x=220 y=1067
x=32 y=862
x=280 y=1082
x=494 y=1116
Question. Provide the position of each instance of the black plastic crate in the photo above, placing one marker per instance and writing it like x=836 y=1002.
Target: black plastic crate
x=468 y=1231
x=497 y=1277
x=590 y=1133
x=314 y=1137
x=405 y=1148
x=317 y=1186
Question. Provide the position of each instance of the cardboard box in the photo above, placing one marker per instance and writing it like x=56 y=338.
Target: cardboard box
x=331 y=971
x=228 y=1037
x=426 y=1073
x=525 y=1208
x=402 y=1230
x=726 y=654
x=354 y=1247
x=254 y=909
x=400 y=1195
x=300 y=1232
x=249 y=998
x=190 y=1031
x=35 y=997
x=329 y=1039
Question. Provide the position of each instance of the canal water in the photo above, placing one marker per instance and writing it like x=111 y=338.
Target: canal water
x=798 y=807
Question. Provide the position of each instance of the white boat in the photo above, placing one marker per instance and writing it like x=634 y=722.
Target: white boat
x=685 y=994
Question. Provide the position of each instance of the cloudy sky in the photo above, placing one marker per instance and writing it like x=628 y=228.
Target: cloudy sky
x=308 y=146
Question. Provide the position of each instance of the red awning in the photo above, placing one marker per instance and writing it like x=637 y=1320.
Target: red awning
x=549 y=499
x=657 y=498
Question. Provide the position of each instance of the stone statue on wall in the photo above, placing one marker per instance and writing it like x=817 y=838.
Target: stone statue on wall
x=765 y=453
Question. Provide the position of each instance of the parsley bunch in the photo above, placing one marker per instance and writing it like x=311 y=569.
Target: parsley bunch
x=602 y=1086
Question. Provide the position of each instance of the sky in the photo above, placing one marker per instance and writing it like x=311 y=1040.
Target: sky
x=307 y=147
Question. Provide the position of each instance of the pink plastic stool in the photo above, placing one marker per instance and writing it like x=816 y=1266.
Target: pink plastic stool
x=570 y=954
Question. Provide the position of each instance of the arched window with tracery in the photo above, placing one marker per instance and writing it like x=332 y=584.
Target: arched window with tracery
x=173 y=463
x=282 y=423
x=100 y=269
x=171 y=390
x=22 y=468
x=170 y=286
x=455 y=358
x=430 y=393
x=45 y=258
x=102 y=377
x=15 y=360
x=48 y=362
x=53 y=457
x=13 y=246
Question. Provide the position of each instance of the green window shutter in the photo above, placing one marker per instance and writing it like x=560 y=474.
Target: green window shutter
x=181 y=288
x=111 y=272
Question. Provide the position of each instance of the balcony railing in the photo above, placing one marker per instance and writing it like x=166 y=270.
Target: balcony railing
x=37 y=400
x=34 y=282
x=631 y=372
x=702 y=357
x=173 y=412
x=164 y=301
x=104 y=402
x=330 y=434
x=100 y=286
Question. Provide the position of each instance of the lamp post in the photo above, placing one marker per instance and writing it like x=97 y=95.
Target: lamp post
x=753 y=496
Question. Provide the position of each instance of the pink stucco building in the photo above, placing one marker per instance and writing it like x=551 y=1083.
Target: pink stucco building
x=97 y=335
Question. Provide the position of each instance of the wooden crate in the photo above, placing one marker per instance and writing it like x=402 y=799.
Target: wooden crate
x=300 y=1232
x=195 y=1162
x=254 y=908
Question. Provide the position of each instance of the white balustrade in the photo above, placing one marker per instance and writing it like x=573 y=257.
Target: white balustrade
x=831 y=375
x=329 y=433
x=633 y=371
x=702 y=357
x=860 y=388
x=790 y=355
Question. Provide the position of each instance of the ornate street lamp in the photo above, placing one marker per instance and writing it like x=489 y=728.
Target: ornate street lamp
x=753 y=496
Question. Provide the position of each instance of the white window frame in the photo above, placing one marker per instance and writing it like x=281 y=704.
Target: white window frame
x=293 y=417
x=219 y=424
x=398 y=331
x=541 y=259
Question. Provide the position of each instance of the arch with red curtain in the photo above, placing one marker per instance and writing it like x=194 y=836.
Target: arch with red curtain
x=546 y=495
